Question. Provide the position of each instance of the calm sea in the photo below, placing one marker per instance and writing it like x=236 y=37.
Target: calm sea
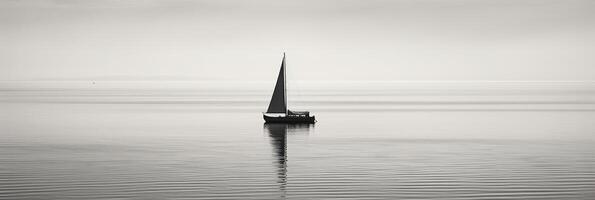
x=372 y=141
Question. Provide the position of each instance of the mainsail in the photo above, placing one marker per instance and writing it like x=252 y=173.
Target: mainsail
x=279 y=100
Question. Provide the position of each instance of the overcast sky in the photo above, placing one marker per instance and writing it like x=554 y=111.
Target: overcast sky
x=324 y=40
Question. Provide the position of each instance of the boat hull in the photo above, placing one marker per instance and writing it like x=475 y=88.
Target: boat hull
x=290 y=119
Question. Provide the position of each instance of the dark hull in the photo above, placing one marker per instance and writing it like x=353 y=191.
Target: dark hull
x=290 y=119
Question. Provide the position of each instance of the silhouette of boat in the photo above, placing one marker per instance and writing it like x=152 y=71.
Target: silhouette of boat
x=277 y=111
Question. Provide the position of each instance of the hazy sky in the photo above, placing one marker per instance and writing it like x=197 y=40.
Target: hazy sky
x=324 y=40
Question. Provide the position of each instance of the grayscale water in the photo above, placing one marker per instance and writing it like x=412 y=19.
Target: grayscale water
x=389 y=141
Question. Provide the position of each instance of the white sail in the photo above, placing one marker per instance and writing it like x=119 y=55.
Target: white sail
x=278 y=102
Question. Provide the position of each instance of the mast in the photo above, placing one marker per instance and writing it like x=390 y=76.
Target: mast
x=285 y=84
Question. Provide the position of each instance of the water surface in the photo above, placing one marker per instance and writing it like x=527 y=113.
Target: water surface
x=427 y=141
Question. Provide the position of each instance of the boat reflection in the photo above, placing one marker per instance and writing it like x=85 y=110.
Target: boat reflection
x=278 y=134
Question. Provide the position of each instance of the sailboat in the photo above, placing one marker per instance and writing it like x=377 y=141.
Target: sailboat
x=277 y=111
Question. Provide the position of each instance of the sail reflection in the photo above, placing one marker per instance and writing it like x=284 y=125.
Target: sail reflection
x=278 y=134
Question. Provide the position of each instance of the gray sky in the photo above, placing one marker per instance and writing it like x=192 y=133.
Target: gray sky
x=324 y=40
